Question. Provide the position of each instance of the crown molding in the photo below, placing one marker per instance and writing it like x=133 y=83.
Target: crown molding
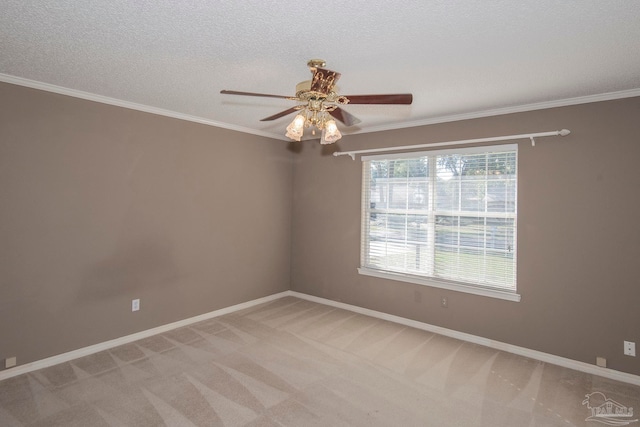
x=391 y=126
x=609 y=96
x=33 y=84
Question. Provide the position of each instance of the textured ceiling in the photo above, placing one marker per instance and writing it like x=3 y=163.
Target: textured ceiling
x=458 y=58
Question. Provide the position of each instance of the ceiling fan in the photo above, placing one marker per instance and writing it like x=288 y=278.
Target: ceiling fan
x=319 y=104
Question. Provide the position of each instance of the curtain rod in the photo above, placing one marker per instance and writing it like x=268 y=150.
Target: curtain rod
x=531 y=136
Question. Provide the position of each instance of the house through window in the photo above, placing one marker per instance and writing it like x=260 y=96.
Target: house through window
x=443 y=218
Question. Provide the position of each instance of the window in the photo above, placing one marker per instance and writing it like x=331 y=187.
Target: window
x=443 y=218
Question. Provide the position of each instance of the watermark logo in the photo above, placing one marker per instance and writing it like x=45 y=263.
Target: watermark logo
x=607 y=411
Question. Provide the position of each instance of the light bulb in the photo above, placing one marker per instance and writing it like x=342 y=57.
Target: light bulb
x=330 y=133
x=296 y=128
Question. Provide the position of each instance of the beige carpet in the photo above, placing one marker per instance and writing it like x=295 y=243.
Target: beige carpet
x=297 y=363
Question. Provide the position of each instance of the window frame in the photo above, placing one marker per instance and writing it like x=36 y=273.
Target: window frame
x=460 y=286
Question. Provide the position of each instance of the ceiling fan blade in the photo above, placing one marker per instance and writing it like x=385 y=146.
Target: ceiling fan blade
x=264 y=95
x=395 y=98
x=346 y=118
x=280 y=114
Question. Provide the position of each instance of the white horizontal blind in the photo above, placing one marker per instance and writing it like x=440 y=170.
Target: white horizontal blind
x=445 y=215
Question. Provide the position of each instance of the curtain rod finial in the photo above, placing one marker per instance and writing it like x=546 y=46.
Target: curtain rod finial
x=564 y=132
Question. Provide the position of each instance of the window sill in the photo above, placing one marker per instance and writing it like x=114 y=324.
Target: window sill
x=470 y=289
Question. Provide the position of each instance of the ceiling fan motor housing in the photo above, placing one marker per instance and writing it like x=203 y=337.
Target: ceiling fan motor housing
x=324 y=80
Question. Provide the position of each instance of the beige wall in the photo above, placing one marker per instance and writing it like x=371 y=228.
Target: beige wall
x=101 y=204
x=578 y=234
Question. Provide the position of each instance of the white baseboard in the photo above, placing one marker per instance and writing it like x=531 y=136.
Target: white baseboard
x=85 y=351
x=521 y=351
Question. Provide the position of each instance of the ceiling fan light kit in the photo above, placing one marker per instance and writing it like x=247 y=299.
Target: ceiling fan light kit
x=320 y=104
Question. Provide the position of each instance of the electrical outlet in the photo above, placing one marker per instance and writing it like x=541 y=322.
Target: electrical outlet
x=10 y=362
x=135 y=304
x=444 y=302
x=630 y=348
x=601 y=361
